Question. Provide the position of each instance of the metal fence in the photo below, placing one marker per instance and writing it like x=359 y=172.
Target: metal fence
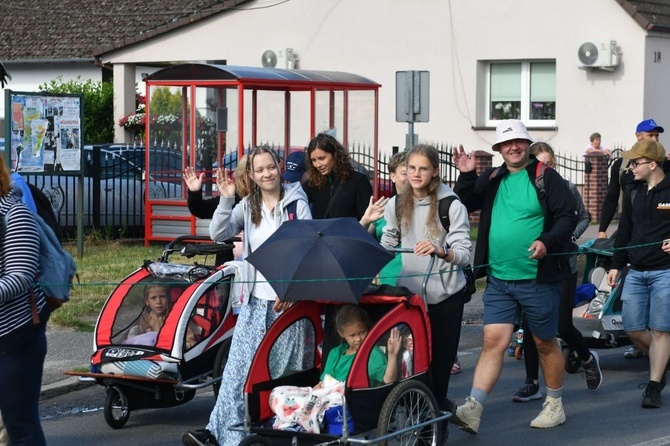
x=115 y=183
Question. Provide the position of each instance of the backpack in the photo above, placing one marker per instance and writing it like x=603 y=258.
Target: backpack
x=443 y=212
x=57 y=267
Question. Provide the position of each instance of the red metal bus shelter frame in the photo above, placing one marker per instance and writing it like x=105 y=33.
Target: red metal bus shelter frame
x=254 y=79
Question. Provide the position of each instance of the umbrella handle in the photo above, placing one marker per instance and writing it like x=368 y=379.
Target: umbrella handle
x=424 y=283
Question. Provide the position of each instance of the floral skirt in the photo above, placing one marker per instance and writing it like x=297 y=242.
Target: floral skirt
x=290 y=352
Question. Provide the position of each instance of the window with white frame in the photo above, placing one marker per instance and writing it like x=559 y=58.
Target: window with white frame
x=522 y=90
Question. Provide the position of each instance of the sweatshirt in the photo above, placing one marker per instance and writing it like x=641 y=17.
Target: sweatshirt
x=644 y=224
x=228 y=221
x=447 y=278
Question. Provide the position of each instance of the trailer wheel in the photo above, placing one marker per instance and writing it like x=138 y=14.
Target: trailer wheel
x=220 y=364
x=409 y=403
x=572 y=360
x=116 y=409
x=254 y=440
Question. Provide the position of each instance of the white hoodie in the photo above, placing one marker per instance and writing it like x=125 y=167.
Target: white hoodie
x=446 y=278
x=228 y=221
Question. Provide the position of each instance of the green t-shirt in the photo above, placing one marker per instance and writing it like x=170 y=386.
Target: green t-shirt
x=339 y=364
x=517 y=220
x=389 y=274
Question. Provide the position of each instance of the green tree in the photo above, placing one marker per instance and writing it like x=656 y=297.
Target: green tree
x=98 y=125
x=165 y=102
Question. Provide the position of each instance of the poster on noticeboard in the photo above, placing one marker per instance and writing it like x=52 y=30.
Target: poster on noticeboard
x=44 y=131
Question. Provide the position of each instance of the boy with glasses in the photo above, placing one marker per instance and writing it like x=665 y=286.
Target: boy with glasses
x=643 y=241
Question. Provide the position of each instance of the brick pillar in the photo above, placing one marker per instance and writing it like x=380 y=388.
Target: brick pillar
x=483 y=160
x=595 y=184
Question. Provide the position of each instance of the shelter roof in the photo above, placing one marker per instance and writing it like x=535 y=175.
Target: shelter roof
x=262 y=77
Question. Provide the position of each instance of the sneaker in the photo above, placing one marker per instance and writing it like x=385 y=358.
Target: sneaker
x=633 y=352
x=592 y=372
x=201 y=437
x=469 y=415
x=456 y=368
x=651 y=398
x=529 y=391
x=552 y=414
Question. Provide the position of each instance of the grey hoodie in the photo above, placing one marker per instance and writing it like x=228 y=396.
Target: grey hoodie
x=228 y=221
x=446 y=278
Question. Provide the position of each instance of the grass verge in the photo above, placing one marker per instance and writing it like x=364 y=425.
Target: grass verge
x=104 y=266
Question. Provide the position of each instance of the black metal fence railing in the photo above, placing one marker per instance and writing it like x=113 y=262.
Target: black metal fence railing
x=115 y=180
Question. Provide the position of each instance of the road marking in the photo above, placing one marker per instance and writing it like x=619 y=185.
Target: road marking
x=656 y=442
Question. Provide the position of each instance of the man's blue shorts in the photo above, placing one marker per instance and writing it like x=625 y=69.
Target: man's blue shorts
x=646 y=300
x=504 y=300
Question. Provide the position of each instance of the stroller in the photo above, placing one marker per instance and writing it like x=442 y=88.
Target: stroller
x=599 y=319
x=404 y=411
x=164 y=368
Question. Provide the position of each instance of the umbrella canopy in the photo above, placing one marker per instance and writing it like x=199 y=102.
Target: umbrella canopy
x=331 y=259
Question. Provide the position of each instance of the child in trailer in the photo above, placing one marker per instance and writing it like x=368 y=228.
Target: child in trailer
x=303 y=408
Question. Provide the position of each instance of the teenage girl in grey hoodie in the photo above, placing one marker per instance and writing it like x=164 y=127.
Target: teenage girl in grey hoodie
x=412 y=221
x=259 y=214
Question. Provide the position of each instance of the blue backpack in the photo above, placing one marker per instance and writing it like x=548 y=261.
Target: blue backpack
x=57 y=267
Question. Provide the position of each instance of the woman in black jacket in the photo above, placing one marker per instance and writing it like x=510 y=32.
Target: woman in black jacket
x=203 y=208
x=333 y=187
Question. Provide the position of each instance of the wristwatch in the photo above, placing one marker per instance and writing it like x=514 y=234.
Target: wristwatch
x=446 y=251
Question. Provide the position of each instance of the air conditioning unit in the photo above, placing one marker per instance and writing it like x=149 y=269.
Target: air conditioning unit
x=603 y=55
x=282 y=58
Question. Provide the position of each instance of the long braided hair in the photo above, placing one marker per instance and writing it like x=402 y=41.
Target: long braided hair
x=255 y=193
x=405 y=200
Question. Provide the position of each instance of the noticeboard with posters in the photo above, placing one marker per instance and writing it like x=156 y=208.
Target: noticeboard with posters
x=44 y=132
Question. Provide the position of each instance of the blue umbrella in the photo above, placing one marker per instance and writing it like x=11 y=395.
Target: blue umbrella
x=331 y=259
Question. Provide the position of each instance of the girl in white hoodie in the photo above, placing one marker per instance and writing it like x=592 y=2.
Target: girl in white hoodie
x=259 y=214
x=412 y=221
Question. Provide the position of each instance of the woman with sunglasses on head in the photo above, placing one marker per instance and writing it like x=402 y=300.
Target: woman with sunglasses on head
x=259 y=214
x=412 y=221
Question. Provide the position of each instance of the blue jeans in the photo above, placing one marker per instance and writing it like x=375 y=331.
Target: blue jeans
x=646 y=301
x=20 y=384
x=504 y=300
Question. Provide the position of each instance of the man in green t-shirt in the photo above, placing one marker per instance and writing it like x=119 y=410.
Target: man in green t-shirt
x=526 y=213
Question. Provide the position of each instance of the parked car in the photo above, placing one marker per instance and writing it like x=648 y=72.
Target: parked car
x=120 y=179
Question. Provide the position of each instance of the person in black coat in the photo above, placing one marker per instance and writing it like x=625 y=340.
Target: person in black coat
x=204 y=208
x=333 y=187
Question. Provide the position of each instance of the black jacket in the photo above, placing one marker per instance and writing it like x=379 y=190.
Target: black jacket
x=351 y=200
x=619 y=181
x=479 y=192
x=645 y=220
x=199 y=207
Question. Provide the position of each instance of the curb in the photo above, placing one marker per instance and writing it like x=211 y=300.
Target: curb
x=62 y=387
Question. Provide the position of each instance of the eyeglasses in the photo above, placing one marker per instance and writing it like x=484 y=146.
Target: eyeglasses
x=633 y=164
x=423 y=171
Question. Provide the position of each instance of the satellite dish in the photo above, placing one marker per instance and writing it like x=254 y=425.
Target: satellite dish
x=587 y=53
x=269 y=59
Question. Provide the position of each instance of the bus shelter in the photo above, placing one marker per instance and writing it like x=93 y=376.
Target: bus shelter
x=206 y=116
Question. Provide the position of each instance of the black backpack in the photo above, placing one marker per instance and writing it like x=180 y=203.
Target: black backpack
x=443 y=211
x=45 y=210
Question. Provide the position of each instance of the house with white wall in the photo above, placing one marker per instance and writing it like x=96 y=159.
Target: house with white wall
x=487 y=60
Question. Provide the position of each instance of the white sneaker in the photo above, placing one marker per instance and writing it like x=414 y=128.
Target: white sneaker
x=469 y=415
x=552 y=414
x=633 y=352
